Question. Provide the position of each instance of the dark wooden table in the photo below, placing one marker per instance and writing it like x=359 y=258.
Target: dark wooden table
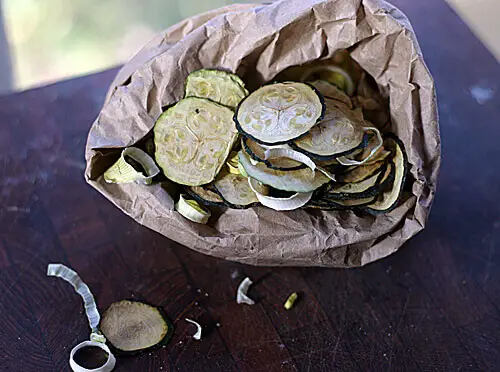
x=432 y=306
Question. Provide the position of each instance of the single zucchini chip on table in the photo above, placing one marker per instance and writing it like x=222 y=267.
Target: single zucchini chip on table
x=235 y=190
x=258 y=153
x=389 y=199
x=206 y=195
x=219 y=86
x=303 y=180
x=339 y=133
x=279 y=112
x=193 y=139
x=132 y=326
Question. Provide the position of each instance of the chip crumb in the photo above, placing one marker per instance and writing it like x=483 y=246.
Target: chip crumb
x=241 y=294
x=197 y=335
x=291 y=300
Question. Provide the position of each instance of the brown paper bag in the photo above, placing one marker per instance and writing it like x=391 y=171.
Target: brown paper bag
x=257 y=42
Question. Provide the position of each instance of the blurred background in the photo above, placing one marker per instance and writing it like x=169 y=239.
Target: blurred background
x=49 y=40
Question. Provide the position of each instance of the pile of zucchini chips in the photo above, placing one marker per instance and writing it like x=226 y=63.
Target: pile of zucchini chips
x=304 y=143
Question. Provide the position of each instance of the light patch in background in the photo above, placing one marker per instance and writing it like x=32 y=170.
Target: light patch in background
x=482 y=17
x=481 y=93
x=56 y=39
x=52 y=40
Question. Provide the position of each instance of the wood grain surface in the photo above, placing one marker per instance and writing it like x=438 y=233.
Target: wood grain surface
x=433 y=306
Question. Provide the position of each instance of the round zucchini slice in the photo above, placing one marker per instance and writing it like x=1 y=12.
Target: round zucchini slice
x=235 y=190
x=389 y=199
x=353 y=203
x=219 y=86
x=257 y=153
x=380 y=155
x=372 y=186
x=193 y=139
x=361 y=172
x=303 y=180
x=331 y=74
x=206 y=195
x=339 y=133
x=286 y=203
x=132 y=326
x=329 y=90
x=279 y=112
x=355 y=190
x=375 y=143
x=332 y=204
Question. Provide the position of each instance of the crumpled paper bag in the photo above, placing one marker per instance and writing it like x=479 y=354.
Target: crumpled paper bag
x=257 y=42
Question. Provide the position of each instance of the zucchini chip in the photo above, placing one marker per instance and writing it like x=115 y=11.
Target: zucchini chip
x=132 y=326
x=279 y=112
x=352 y=203
x=219 y=86
x=206 y=195
x=134 y=165
x=192 y=210
x=193 y=140
x=329 y=90
x=339 y=133
x=375 y=143
x=288 y=203
x=358 y=190
x=361 y=172
x=389 y=199
x=235 y=190
x=232 y=163
x=331 y=74
x=258 y=153
x=303 y=180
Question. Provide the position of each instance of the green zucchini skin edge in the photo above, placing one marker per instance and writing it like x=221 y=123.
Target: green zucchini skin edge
x=362 y=145
x=371 y=191
x=367 y=176
x=245 y=134
x=199 y=199
x=405 y=173
x=162 y=343
x=249 y=151
x=336 y=206
x=378 y=188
